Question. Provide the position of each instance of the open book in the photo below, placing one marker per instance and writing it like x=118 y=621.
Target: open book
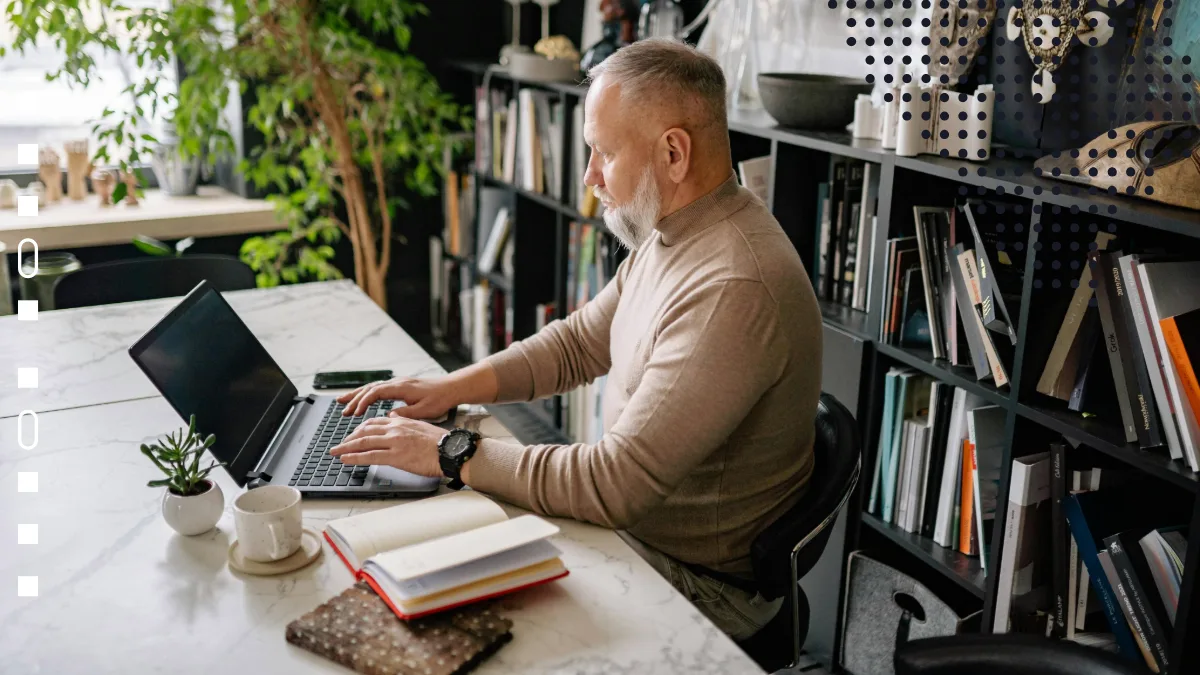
x=446 y=551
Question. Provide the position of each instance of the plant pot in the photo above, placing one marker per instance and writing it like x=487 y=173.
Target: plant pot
x=195 y=514
x=176 y=176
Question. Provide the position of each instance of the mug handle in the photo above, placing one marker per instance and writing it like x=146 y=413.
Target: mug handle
x=278 y=539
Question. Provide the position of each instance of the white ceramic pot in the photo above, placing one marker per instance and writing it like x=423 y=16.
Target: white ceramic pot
x=196 y=514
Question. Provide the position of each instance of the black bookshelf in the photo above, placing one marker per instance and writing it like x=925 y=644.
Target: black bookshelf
x=799 y=160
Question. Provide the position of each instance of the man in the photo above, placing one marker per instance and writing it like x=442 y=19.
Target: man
x=709 y=333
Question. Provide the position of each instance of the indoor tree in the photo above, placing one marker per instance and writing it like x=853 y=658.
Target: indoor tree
x=350 y=120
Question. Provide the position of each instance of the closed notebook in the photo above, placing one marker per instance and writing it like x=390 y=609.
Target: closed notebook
x=446 y=551
x=358 y=630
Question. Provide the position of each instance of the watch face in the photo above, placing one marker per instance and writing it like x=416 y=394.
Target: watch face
x=457 y=444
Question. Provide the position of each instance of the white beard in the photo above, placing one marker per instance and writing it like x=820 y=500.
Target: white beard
x=633 y=223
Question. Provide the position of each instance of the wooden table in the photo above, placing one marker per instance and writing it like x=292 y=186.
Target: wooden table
x=211 y=212
x=119 y=592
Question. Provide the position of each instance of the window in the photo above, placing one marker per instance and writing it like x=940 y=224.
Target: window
x=49 y=113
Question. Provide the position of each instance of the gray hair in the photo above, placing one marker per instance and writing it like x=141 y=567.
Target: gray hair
x=663 y=70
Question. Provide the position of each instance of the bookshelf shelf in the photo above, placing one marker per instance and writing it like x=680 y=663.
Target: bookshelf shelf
x=963 y=378
x=545 y=200
x=1109 y=439
x=849 y=320
x=962 y=570
x=797 y=167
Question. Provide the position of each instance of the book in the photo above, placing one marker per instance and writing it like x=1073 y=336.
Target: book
x=1182 y=336
x=754 y=175
x=1023 y=565
x=445 y=551
x=358 y=630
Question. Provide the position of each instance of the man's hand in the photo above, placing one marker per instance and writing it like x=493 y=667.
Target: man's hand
x=409 y=445
x=424 y=399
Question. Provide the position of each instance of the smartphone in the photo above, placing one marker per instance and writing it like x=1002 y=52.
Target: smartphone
x=348 y=379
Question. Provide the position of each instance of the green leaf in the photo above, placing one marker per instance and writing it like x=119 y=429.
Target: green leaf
x=119 y=192
x=151 y=245
x=162 y=482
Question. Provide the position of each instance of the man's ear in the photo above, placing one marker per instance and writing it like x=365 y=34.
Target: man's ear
x=677 y=147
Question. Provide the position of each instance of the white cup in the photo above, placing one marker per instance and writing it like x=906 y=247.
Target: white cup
x=269 y=522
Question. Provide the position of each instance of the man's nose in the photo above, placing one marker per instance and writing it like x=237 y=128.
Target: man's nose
x=592 y=176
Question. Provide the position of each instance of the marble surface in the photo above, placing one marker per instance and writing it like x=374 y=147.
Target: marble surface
x=120 y=592
x=82 y=354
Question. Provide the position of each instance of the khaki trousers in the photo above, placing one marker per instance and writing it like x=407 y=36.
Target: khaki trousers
x=737 y=613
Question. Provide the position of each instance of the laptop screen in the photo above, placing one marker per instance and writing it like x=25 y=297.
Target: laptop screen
x=204 y=360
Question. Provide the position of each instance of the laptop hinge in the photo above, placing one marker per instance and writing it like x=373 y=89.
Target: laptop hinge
x=259 y=475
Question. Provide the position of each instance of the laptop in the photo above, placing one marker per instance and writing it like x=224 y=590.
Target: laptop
x=205 y=361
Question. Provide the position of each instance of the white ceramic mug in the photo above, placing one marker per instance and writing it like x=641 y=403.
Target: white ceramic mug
x=269 y=522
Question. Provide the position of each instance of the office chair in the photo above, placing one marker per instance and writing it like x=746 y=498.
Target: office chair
x=784 y=552
x=149 y=279
x=1005 y=654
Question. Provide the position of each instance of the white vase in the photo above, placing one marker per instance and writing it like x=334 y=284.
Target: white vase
x=196 y=514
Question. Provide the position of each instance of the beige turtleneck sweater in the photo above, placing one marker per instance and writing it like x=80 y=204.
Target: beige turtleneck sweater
x=710 y=335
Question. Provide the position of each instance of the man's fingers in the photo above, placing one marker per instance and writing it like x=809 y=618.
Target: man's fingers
x=366 y=457
x=365 y=397
x=373 y=426
x=349 y=395
x=360 y=444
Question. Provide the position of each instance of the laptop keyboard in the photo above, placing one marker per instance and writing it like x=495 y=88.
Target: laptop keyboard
x=319 y=468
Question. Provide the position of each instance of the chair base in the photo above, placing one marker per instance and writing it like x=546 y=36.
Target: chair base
x=771 y=647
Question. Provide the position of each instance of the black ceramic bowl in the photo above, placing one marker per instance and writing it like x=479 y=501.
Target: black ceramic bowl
x=805 y=101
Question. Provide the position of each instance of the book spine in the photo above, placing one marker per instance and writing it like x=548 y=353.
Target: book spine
x=1105 y=303
x=1139 y=634
x=1087 y=552
x=928 y=272
x=939 y=430
x=1152 y=631
x=1183 y=364
x=1137 y=379
x=1137 y=304
x=1058 y=543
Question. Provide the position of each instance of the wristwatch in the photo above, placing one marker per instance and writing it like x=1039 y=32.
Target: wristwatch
x=455 y=448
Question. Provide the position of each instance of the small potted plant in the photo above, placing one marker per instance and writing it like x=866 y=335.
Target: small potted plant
x=192 y=503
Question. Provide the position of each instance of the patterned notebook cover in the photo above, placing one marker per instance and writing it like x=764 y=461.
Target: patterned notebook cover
x=358 y=630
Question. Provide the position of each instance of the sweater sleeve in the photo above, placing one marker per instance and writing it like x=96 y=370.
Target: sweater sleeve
x=716 y=353
x=563 y=355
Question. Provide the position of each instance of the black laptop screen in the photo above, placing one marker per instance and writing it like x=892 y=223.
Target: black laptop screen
x=205 y=361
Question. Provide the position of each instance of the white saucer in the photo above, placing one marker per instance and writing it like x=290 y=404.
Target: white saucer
x=310 y=549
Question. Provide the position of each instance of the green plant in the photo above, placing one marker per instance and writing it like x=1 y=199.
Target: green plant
x=152 y=246
x=352 y=124
x=178 y=456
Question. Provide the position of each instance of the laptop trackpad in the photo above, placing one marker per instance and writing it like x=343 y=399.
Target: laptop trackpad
x=390 y=476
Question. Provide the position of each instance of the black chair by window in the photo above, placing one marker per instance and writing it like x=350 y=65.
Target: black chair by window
x=149 y=279
x=1005 y=654
x=784 y=552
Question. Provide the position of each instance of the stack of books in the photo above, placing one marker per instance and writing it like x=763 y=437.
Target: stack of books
x=846 y=207
x=1095 y=561
x=1127 y=346
x=937 y=469
x=951 y=284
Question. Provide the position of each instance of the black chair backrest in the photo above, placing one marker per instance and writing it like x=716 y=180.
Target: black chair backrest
x=836 y=465
x=1005 y=654
x=149 y=279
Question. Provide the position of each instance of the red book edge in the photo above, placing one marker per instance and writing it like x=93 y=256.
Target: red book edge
x=339 y=553
x=371 y=582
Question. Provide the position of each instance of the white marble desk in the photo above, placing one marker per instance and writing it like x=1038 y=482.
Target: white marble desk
x=82 y=354
x=121 y=593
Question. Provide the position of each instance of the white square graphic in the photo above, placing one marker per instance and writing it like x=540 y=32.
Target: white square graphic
x=27 y=153
x=27 y=481
x=27 y=535
x=27 y=205
x=27 y=587
x=27 y=310
x=27 y=378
